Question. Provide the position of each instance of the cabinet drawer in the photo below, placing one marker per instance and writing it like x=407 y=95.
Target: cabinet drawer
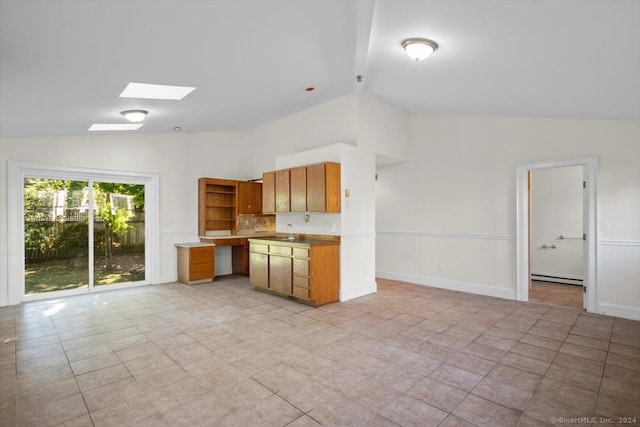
x=301 y=267
x=280 y=250
x=301 y=282
x=198 y=255
x=259 y=247
x=301 y=252
x=300 y=292
x=201 y=271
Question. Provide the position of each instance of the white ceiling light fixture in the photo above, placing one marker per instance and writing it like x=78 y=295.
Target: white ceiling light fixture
x=150 y=91
x=419 y=49
x=135 y=116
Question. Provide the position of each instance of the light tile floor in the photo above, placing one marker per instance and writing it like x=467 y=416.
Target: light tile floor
x=556 y=294
x=223 y=354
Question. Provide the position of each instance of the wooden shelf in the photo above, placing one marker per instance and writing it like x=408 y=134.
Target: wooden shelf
x=216 y=205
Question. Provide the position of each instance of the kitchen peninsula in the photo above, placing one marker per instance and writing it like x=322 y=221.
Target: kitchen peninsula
x=305 y=269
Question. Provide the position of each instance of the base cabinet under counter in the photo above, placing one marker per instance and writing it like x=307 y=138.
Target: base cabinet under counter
x=196 y=262
x=308 y=271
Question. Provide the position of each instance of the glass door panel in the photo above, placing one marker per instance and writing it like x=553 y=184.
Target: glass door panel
x=56 y=235
x=118 y=233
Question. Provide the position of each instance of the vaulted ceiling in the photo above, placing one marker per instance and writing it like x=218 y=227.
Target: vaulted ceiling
x=64 y=63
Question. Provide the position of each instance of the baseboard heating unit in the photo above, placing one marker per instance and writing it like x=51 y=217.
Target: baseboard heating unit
x=556 y=279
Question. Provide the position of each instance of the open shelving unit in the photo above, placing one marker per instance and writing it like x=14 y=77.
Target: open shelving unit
x=216 y=205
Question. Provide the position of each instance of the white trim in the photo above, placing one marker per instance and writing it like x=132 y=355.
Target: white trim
x=348 y=294
x=446 y=235
x=590 y=171
x=619 y=242
x=17 y=171
x=619 y=310
x=453 y=285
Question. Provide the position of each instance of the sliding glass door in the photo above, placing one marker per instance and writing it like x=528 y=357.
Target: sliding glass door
x=82 y=233
x=118 y=233
x=56 y=235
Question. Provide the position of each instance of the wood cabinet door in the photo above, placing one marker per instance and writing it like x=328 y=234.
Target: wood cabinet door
x=282 y=191
x=280 y=274
x=269 y=192
x=201 y=263
x=298 y=177
x=259 y=271
x=249 y=197
x=316 y=188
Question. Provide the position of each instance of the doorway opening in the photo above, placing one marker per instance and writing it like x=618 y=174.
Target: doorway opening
x=524 y=246
x=556 y=236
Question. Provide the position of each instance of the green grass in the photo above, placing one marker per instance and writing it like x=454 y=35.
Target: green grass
x=73 y=273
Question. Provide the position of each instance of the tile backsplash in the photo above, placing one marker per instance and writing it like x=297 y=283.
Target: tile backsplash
x=256 y=223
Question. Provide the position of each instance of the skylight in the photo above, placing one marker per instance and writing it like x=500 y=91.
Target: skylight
x=149 y=91
x=108 y=127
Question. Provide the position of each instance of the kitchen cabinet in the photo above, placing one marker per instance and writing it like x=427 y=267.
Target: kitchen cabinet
x=249 y=197
x=216 y=205
x=280 y=262
x=304 y=270
x=269 y=192
x=196 y=262
x=282 y=191
x=298 y=186
x=323 y=187
x=259 y=261
x=309 y=188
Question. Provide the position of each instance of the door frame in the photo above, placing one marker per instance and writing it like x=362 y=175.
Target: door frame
x=17 y=171
x=523 y=246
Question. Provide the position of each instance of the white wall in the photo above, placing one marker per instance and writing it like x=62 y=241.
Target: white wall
x=179 y=158
x=447 y=216
x=557 y=209
x=383 y=129
x=332 y=122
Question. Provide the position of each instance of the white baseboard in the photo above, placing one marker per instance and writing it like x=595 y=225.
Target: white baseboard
x=358 y=292
x=223 y=271
x=472 y=288
x=618 y=310
x=167 y=278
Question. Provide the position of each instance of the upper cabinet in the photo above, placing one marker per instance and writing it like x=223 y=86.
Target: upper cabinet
x=310 y=188
x=283 y=201
x=298 y=194
x=216 y=205
x=269 y=192
x=249 y=197
x=323 y=187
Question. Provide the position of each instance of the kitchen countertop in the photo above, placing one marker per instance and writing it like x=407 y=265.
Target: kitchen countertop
x=302 y=241
x=193 y=244
x=238 y=236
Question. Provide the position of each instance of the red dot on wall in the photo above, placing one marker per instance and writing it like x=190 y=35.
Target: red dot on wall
x=310 y=89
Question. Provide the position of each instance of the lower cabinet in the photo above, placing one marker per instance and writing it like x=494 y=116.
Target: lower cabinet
x=308 y=272
x=196 y=262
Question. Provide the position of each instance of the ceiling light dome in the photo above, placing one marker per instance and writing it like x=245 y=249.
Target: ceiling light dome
x=419 y=49
x=135 y=116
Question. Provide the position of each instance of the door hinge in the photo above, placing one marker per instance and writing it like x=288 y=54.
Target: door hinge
x=584 y=289
x=584 y=184
x=584 y=236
